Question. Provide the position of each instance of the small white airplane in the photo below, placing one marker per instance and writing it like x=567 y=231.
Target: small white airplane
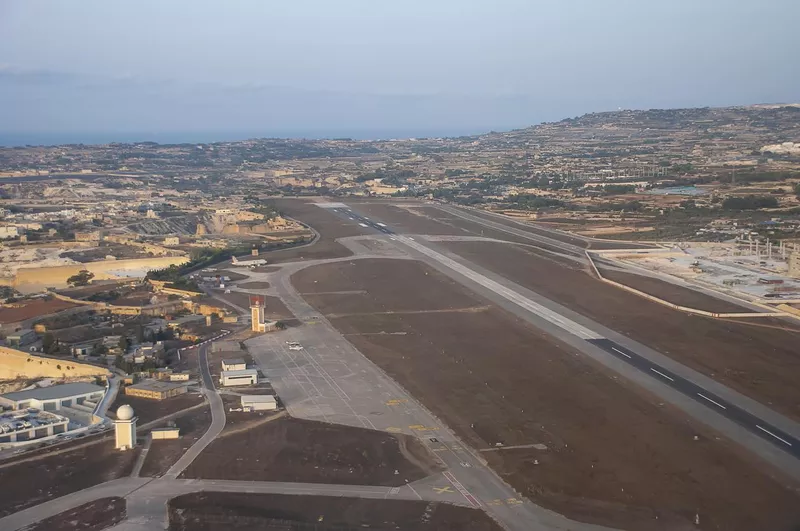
x=248 y=263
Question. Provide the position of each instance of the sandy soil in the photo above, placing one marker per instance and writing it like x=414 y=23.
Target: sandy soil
x=165 y=453
x=672 y=293
x=148 y=410
x=217 y=511
x=44 y=479
x=93 y=516
x=757 y=360
x=309 y=452
x=616 y=455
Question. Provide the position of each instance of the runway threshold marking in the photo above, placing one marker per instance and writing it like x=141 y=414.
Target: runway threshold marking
x=460 y=488
x=784 y=441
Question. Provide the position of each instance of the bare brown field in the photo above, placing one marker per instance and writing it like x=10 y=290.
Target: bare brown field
x=328 y=225
x=616 y=455
x=221 y=511
x=165 y=453
x=44 y=479
x=310 y=452
x=149 y=410
x=672 y=293
x=30 y=309
x=760 y=361
x=93 y=516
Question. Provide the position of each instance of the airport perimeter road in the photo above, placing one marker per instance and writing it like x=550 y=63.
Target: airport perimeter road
x=329 y=380
x=217 y=418
x=760 y=429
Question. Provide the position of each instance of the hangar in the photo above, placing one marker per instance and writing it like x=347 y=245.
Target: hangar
x=55 y=397
x=245 y=377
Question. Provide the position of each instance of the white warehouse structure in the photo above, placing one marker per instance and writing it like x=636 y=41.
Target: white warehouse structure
x=83 y=395
x=235 y=364
x=245 y=377
x=259 y=403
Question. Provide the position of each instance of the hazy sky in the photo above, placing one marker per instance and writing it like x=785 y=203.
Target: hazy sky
x=338 y=65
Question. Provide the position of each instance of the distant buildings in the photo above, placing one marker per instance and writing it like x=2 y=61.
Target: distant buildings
x=156 y=389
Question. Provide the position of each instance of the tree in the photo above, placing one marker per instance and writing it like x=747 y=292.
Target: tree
x=48 y=340
x=82 y=278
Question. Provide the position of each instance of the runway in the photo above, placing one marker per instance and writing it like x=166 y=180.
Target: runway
x=758 y=426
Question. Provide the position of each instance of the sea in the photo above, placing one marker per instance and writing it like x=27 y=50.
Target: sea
x=12 y=139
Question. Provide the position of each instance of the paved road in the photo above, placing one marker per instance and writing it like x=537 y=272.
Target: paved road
x=217 y=418
x=781 y=433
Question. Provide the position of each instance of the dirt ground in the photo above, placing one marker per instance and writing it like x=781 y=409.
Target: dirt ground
x=616 y=455
x=672 y=293
x=220 y=511
x=31 y=309
x=310 y=452
x=93 y=516
x=165 y=453
x=761 y=359
x=328 y=225
x=148 y=410
x=44 y=479
x=254 y=285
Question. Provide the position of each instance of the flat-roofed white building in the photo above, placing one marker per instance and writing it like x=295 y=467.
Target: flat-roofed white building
x=245 y=377
x=55 y=397
x=259 y=403
x=234 y=364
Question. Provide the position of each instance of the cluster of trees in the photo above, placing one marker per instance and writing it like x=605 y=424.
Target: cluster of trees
x=531 y=201
x=81 y=278
x=618 y=189
x=750 y=202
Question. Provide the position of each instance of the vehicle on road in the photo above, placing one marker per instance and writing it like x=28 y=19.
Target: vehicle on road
x=295 y=347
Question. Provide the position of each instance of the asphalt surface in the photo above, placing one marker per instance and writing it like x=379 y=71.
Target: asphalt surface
x=217 y=418
x=756 y=425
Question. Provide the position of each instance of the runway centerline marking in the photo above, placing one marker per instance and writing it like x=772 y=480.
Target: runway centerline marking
x=662 y=374
x=618 y=350
x=701 y=395
x=784 y=441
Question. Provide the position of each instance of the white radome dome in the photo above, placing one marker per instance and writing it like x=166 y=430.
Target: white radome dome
x=125 y=412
